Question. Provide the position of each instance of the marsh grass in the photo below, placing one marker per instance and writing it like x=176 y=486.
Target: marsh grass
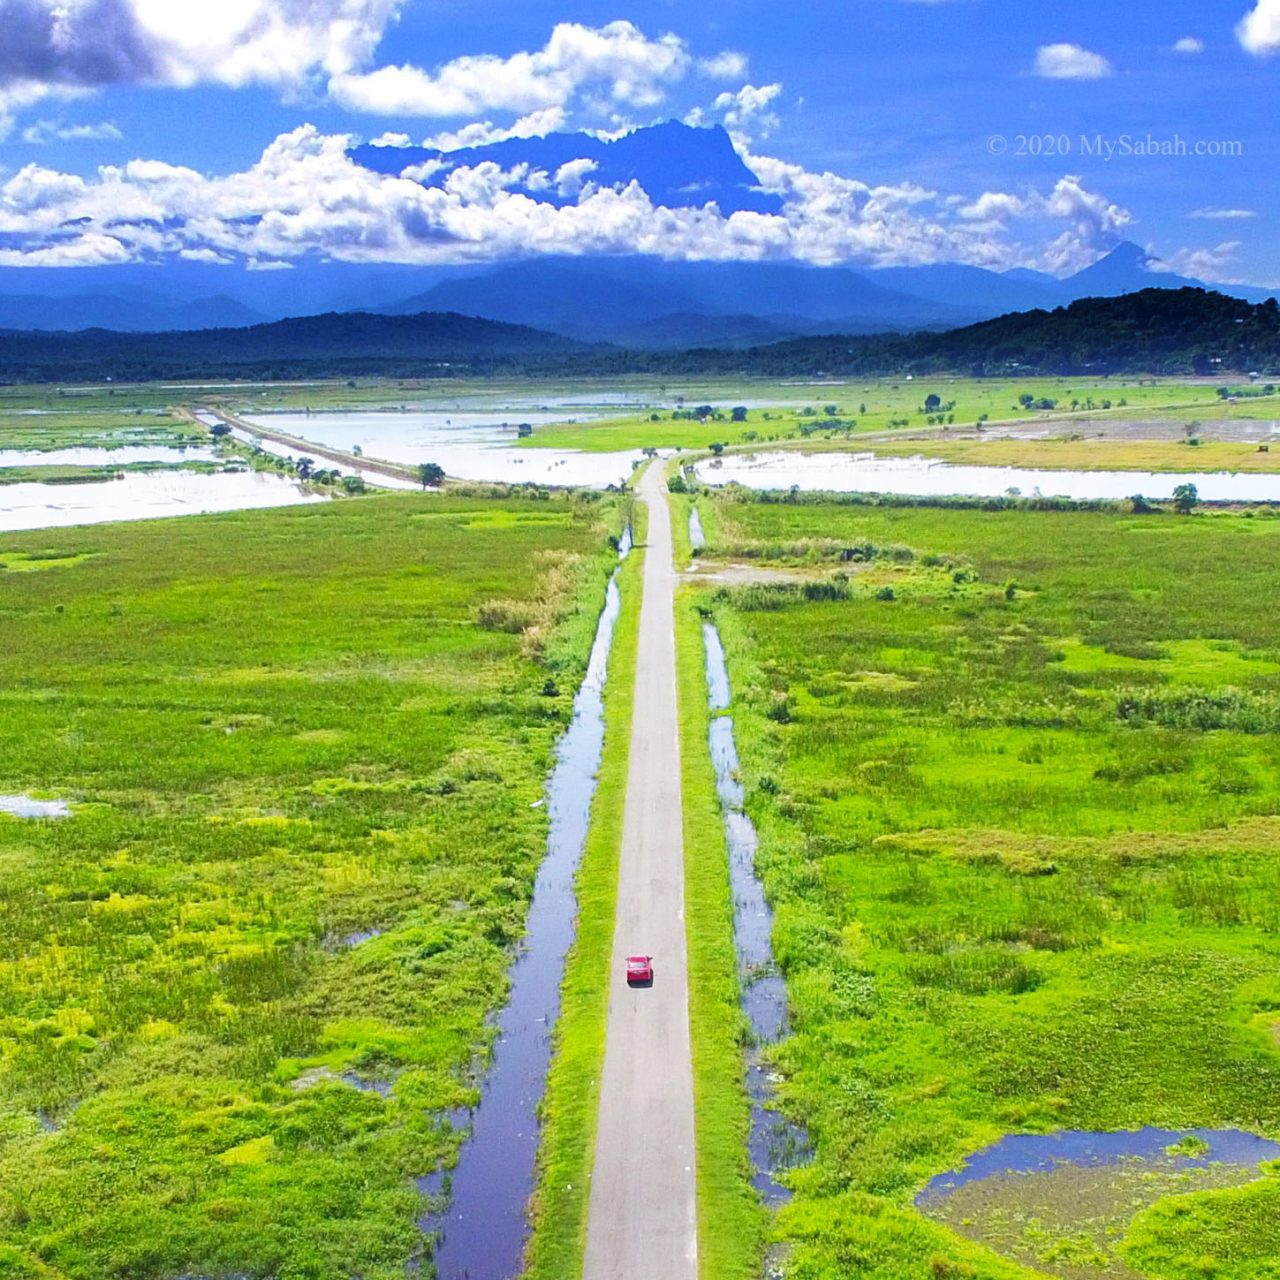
x=1021 y=846
x=279 y=730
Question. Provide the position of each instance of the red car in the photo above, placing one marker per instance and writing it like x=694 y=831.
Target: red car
x=639 y=971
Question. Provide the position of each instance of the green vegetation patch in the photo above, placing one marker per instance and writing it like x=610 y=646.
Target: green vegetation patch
x=1071 y=1221
x=301 y=854
x=39 y=561
x=1025 y=878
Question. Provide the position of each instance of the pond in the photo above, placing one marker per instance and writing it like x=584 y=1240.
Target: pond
x=145 y=496
x=927 y=477
x=1062 y=1202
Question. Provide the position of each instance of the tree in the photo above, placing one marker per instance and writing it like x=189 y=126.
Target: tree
x=739 y=413
x=717 y=448
x=932 y=403
x=219 y=430
x=431 y=474
x=1185 y=497
x=353 y=484
x=305 y=467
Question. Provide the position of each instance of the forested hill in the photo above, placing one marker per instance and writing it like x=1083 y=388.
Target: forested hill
x=1156 y=331
x=1170 y=331
x=338 y=344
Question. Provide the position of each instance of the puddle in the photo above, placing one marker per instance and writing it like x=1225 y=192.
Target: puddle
x=697 y=539
x=483 y=1232
x=145 y=496
x=775 y=1144
x=26 y=807
x=468 y=445
x=927 y=477
x=106 y=456
x=1062 y=1202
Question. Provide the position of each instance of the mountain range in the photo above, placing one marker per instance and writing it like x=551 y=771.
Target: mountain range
x=639 y=302
x=1165 y=331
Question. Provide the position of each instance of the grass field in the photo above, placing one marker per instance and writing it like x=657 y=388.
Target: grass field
x=241 y=985
x=1015 y=779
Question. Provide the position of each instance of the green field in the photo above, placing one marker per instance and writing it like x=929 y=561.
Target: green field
x=302 y=749
x=1015 y=778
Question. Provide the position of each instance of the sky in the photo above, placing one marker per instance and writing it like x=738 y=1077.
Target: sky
x=995 y=132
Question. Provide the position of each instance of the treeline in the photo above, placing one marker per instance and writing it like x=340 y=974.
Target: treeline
x=1158 y=331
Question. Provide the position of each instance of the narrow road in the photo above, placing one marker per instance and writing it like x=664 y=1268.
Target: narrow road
x=642 y=1220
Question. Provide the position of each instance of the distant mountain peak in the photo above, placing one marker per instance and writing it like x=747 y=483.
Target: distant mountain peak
x=678 y=165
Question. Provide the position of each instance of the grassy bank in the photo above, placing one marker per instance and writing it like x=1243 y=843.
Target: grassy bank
x=566 y=1150
x=242 y=983
x=731 y=1218
x=1014 y=776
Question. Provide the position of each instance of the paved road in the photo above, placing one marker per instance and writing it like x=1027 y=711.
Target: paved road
x=642 y=1221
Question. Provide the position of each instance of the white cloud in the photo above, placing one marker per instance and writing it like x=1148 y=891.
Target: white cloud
x=1189 y=45
x=616 y=64
x=1212 y=265
x=729 y=65
x=1259 y=29
x=46 y=131
x=51 y=47
x=305 y=196
x=481 y=133
x=1071 y=62
x=748 y=111
x=1223 y=215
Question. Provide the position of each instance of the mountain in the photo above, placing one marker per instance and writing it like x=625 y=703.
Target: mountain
x=615 y=299
x=122 y=311
x=677 y=165
x=1156 y=331
x=973 y=289
x=343 y=344
x=1184 y=331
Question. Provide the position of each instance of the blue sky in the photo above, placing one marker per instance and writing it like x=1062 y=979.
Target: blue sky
x=993 y=131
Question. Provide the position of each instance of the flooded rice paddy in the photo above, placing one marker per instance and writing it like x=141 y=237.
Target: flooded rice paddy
x=110 y=456
x=774 y=1143
x=484 y=1230
x=470 y=445
x=927 y=477
x=1062 y=1202
x=145 y=496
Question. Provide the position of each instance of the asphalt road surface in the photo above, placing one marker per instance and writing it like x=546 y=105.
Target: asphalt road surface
x=642 y=1220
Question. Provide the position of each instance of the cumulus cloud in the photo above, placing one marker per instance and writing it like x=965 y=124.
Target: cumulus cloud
x=1259 y=29
x=616 y=63
x=1213 y=214
x=1071 y=62
x=747 y=111
x=306 y=197
x=1212 y=265
x=1189 y=45
x=46 y=131
x=89 y=44
x=480 y=133
x=729 y=65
